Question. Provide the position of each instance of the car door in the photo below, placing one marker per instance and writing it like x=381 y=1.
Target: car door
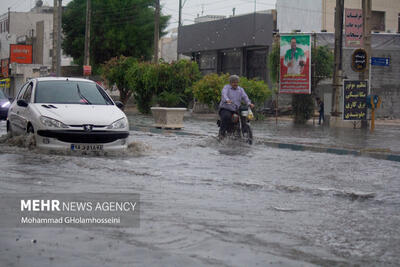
x=14 y=112
x=19 y=113
x=25 y=112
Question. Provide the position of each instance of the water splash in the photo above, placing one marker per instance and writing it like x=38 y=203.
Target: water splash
x=28 y=142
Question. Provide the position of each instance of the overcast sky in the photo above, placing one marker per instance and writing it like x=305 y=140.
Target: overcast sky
x=191 y=8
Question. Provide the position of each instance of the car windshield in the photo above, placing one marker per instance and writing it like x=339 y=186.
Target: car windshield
x=70 y=92
x=2 y=95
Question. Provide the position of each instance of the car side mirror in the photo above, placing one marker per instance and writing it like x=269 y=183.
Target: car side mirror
x=119 y=105
x=22 y=103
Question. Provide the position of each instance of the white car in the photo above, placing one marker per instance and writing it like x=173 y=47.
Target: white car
x=68 y=114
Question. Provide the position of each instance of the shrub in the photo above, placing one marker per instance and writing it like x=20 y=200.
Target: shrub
x=142 y=85
x=173 y=80
x=303 y=108
x=163 y=83
x=208 y=89
x=256 y=90
x=169 y=99
x=115 y=71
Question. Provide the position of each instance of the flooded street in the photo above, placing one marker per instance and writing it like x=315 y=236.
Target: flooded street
x=205 y=203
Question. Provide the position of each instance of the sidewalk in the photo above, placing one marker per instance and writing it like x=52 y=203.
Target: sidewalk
x=383 y=143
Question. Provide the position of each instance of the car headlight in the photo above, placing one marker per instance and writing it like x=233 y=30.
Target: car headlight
x=49 y=122
x=119 y=124
x=6 y=104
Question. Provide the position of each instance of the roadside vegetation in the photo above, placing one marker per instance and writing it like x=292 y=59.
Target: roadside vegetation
x=175 y=84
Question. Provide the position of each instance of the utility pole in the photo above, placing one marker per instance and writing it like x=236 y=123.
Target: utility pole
x=179 y=27
x=59 y=38
x=156 y=30
x=337 y=74
x=366 y=10
x=8 y=23
x=180 y=14
x=86 y=59
x=55 y=27
x=364 y=75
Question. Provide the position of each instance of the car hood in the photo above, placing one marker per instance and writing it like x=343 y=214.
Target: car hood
x=76 y=114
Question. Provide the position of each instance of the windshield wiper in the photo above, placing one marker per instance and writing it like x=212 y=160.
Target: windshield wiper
x=82 y=96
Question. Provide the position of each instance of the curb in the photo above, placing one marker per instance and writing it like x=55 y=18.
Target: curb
x=296 y=147
x=336 y=151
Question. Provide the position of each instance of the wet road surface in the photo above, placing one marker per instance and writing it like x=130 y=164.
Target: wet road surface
x=205 y=203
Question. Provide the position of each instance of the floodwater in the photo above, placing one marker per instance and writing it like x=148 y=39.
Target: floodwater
x=205 y=203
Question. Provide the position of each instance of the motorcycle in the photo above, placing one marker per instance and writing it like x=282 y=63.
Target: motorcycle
x=240 y=125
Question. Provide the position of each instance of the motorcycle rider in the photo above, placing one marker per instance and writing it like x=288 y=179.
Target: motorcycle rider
x=231 y=97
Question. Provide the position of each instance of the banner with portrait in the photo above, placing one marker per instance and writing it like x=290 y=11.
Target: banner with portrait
x=295 y=64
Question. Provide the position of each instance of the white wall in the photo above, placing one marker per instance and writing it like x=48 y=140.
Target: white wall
x=304 y=15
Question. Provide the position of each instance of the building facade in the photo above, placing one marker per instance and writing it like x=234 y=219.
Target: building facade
x=235 y=45
x=319 y=15
x=33 y=28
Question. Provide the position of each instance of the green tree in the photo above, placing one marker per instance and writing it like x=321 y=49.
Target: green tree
x=322 y=61
x=119 y=27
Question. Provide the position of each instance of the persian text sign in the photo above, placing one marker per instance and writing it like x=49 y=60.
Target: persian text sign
x=354 y=27
x=295 y=64
x=21 y=54
x=354 y=100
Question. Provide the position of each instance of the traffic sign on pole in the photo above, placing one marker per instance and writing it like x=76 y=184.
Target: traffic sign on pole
x=380 y=61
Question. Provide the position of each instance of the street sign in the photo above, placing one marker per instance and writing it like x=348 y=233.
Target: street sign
x=354 y=100
x=380 y=61
x=359 y=60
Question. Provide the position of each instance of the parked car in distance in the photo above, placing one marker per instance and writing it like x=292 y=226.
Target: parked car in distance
x=5 y=103
x=68 y=114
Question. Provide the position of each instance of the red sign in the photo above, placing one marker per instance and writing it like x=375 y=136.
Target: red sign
x=4 y=67
x=353 y=27
x=87 y=70
x=21 y=54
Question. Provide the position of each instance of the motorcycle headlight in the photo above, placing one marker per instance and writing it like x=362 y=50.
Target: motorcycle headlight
x=49 y=122
x=6 y=104
x=119 y=124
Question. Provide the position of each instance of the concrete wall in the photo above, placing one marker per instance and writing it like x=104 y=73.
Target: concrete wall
x=304 y=15
x=23 y=22
x=168 y=48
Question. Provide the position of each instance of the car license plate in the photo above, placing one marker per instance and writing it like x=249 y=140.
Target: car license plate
x=86 y=147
